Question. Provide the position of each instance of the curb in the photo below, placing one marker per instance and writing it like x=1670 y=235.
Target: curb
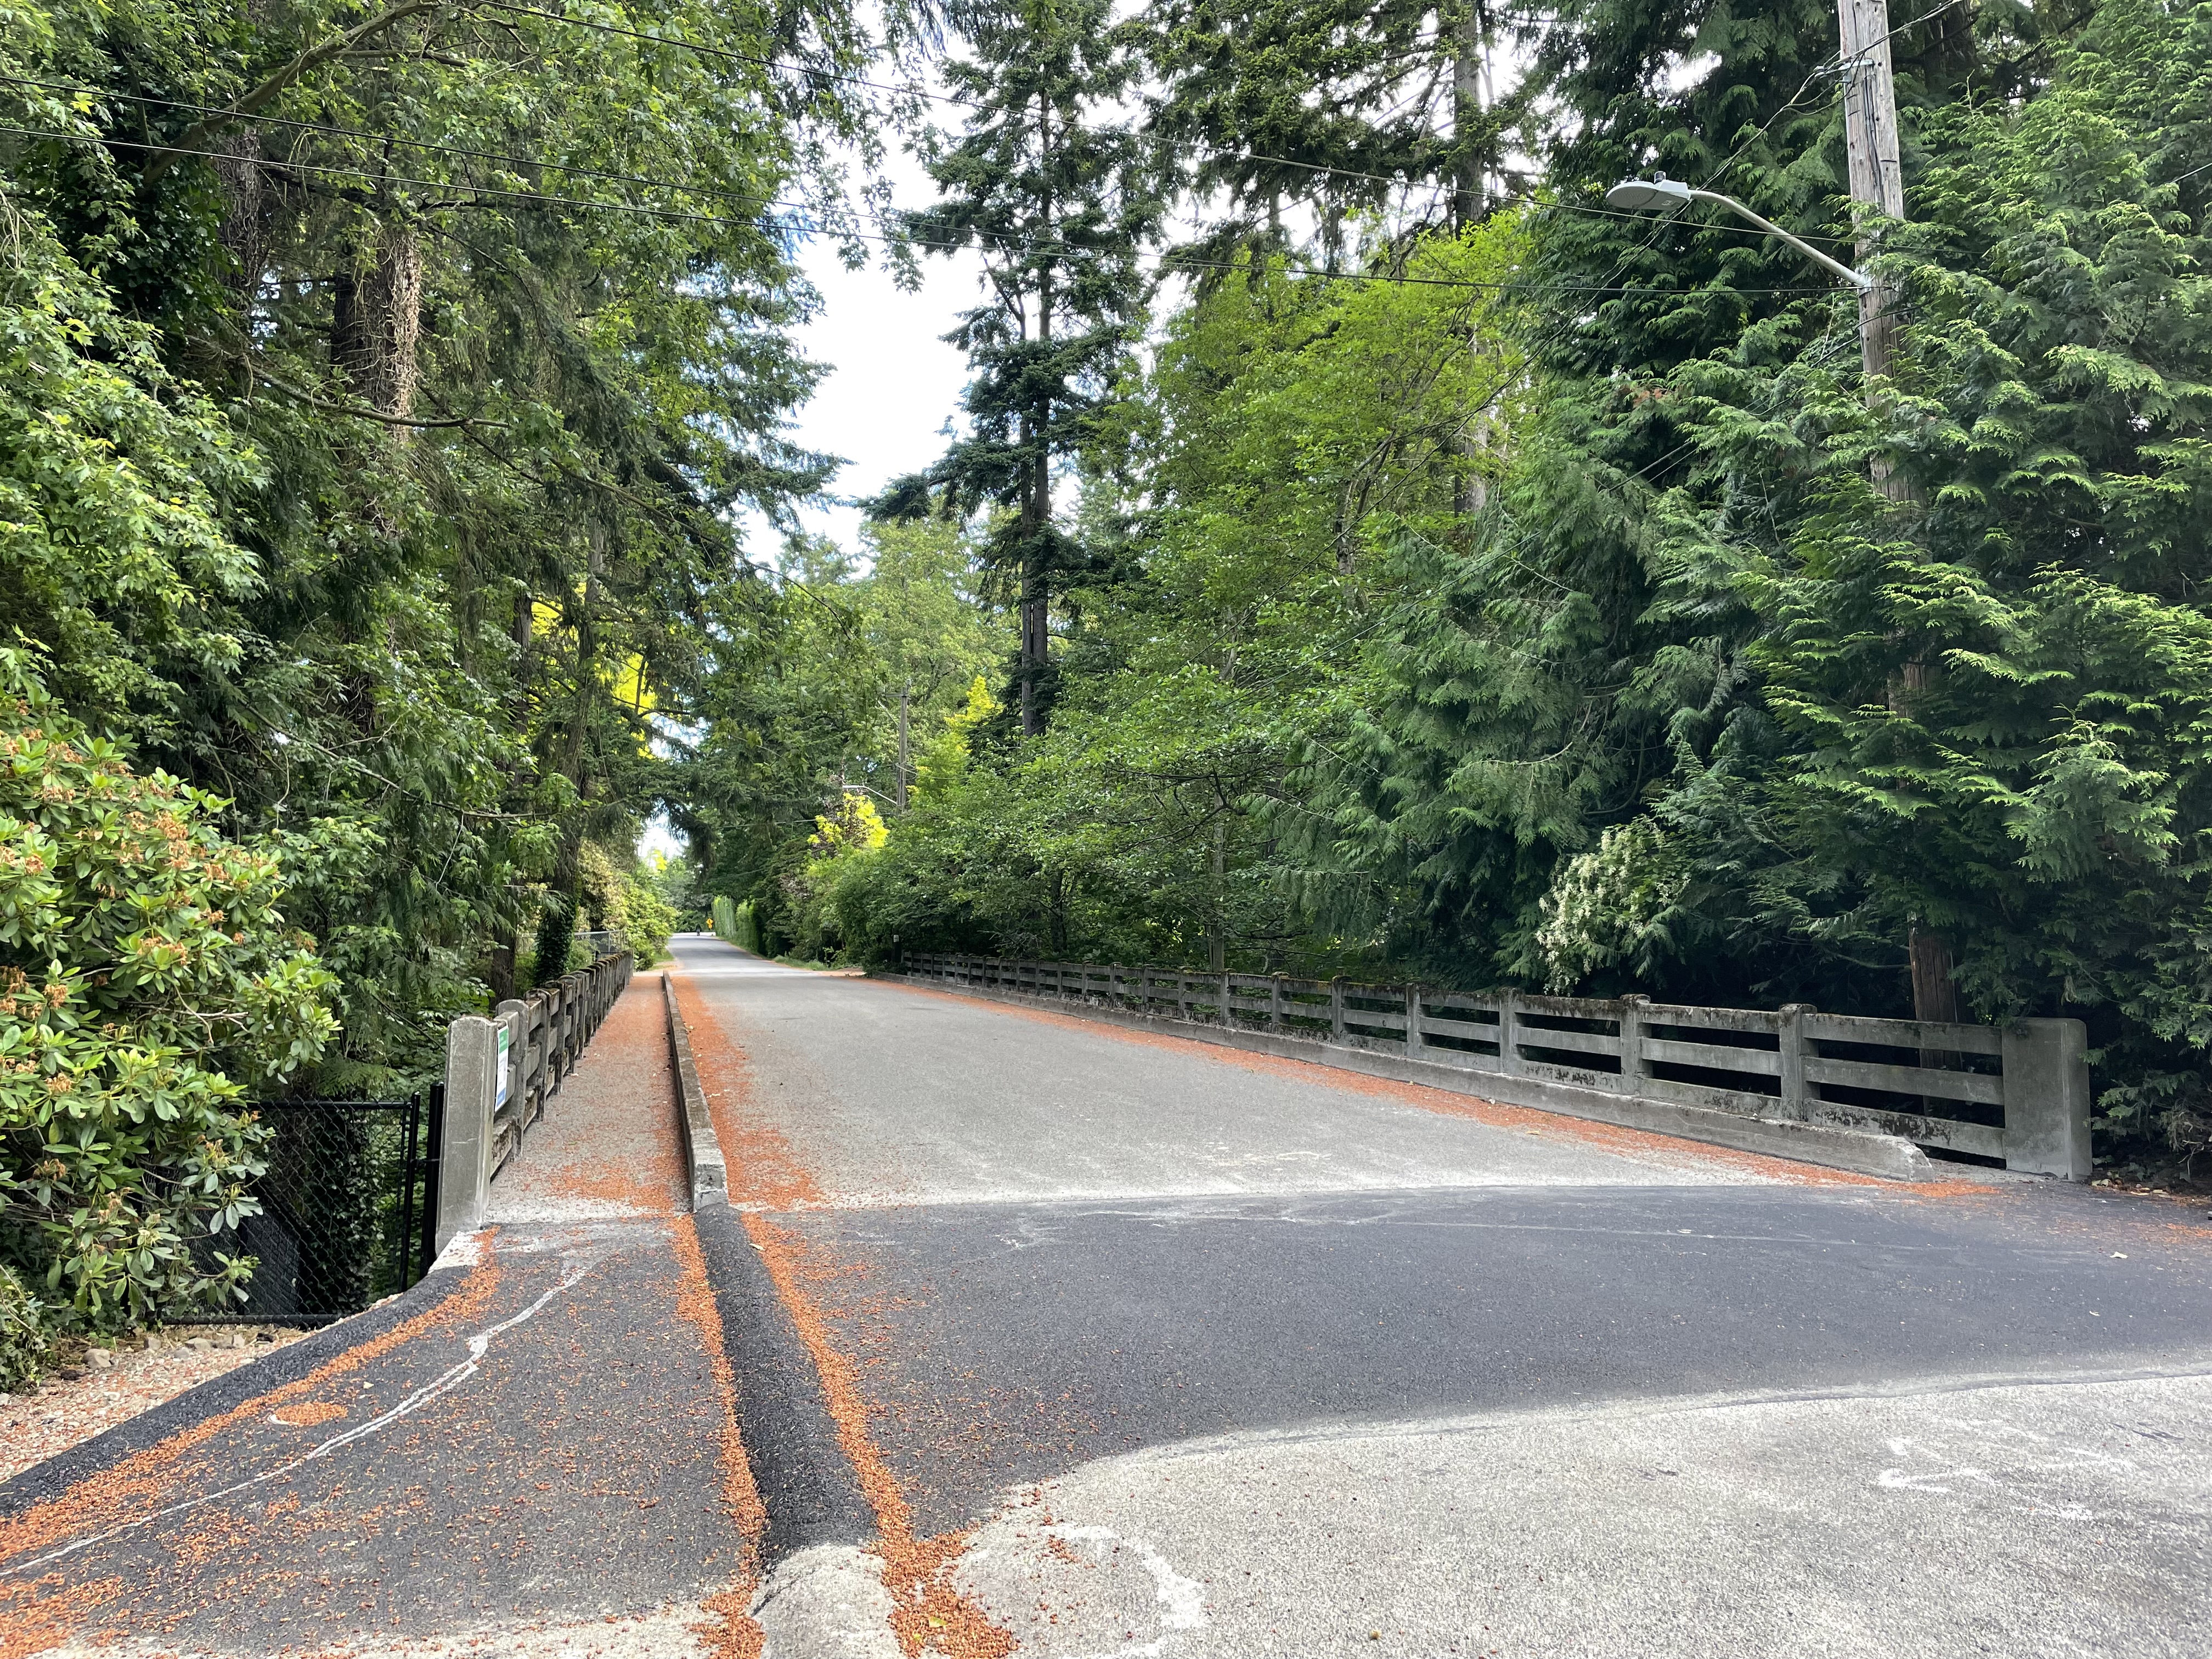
x=811 y=1492
x=702 y=1153
x=1861 y=1151
x=221 y=1394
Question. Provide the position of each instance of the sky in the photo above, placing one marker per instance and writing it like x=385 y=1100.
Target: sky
x=893 y=381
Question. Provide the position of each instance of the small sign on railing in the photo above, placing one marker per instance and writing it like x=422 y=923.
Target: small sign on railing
x=500 y=1071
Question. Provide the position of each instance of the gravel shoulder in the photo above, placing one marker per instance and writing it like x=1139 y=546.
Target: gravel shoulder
x=113 y=1385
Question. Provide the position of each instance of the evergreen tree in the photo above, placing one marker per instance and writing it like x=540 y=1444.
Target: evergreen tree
x=1276 y=105
x=1055 y=200
x=468 y=336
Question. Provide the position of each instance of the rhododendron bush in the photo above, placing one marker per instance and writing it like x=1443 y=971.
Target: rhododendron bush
x=148 y=987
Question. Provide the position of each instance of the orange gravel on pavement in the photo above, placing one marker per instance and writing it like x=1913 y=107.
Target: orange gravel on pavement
x=736 y=1635
x=763 y=1169
x=607 y=1143
x=928 y=1612
x=32 y=1622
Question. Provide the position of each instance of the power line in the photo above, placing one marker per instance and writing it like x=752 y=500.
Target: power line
x=763 y=200
x=1169 y=262
x=405 y=143
x=1830 y=65
x=505 y=158
x=724 y=52
x=1528 y=200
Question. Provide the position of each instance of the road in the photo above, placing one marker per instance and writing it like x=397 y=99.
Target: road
x=1104 y=1343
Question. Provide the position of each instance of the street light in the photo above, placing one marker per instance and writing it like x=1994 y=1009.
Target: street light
x=1660 y=194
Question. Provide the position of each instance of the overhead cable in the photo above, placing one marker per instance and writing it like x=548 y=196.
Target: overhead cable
x=1169 y=263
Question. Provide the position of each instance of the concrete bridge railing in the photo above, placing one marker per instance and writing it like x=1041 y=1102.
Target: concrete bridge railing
x=1820 y=1086
x=499 y=1072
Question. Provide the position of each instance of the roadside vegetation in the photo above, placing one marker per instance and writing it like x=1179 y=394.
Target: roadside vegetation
x=369 y=449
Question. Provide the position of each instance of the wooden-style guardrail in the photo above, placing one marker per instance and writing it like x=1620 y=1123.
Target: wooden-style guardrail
x=500 y=1071
x=547 y=1033
x=2018 y=1095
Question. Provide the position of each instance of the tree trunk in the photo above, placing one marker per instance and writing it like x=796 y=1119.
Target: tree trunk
x=245 y=226
x=499 y=969
x=1470 y=72
x=500 y=972
x=376 y=323
x=1037 y=591
x=1216 y=931
x=906 y=697
x=564 y=897
x=1934 y=992
x=1035 y=650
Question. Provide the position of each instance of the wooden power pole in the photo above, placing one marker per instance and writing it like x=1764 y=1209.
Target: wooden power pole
x=1471 y=134
x=1870 y=140
x=1878 y=183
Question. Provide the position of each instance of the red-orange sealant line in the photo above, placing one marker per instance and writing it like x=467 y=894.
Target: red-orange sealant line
x=928 y=1613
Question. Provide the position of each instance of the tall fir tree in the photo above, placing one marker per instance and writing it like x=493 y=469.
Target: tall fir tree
x=1056 y=199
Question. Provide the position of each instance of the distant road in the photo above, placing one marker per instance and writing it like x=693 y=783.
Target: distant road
x=1213 y=1354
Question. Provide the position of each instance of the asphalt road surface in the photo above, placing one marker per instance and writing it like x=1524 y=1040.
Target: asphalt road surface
x=1110 y=1344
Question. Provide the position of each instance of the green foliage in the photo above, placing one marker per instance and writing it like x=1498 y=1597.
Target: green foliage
x=1524 y=609
x=623 y=895
x=818 y=710
x=1608 y=906
x=1592 y=656
x=147 y=978
x=1055 y=200
x=112 y=558
x=1291 y=429
x=1283 y=107
x=356 y=485
x=642 y=917
x=24 y=1340
x=1976 y=712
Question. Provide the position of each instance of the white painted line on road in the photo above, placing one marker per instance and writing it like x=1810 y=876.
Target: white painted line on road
x=1182 y=1601
x=445 y=1383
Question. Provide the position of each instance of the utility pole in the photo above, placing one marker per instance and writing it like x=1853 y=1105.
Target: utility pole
x=1877 y=186
x=1878 y=183
x=1470 y=202
x=1870 y=143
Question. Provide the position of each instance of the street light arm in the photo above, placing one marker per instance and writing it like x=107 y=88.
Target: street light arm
x=1857 y=279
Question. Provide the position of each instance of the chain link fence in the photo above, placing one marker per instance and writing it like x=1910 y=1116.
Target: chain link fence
x=348 y=1209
